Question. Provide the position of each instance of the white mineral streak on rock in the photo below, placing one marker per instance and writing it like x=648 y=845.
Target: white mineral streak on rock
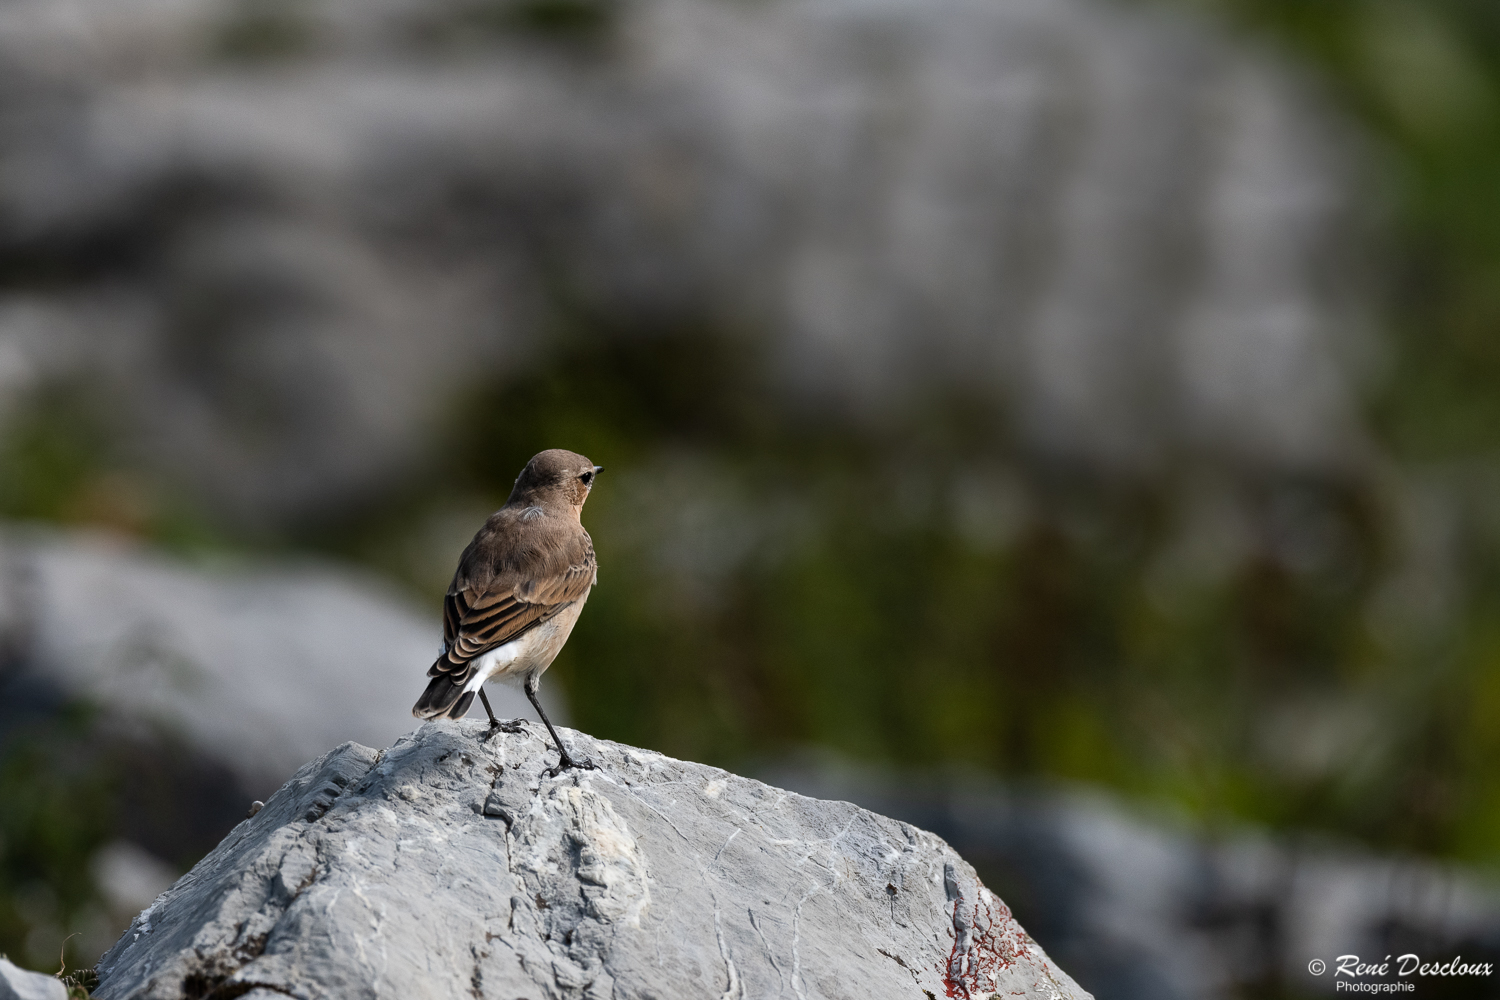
x=578 y=828
x=453 y=864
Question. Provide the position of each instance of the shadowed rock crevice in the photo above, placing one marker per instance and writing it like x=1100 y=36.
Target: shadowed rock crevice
x=453 y=864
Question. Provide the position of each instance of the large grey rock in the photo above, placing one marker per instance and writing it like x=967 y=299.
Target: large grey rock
x=453 y=864
x=18 y=984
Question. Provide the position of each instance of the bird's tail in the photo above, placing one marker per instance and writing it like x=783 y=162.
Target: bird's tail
x=445 y=698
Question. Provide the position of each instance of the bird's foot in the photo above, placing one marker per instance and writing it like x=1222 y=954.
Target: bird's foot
x=511 y=726
x=580 y=763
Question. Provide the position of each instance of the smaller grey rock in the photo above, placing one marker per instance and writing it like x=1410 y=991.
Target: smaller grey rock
x=18 y=984
x=211 y=651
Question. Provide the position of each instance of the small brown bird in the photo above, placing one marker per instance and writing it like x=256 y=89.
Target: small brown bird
x=518 y=590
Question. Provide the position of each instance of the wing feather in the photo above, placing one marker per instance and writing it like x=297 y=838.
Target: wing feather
x=490 y=604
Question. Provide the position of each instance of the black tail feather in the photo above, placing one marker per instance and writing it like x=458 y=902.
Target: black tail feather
x=444 y=699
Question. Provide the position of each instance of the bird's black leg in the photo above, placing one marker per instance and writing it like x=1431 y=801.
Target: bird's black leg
x=532 y=682
x=487 y=710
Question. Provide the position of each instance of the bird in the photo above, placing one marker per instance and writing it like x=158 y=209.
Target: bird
x=517 y=592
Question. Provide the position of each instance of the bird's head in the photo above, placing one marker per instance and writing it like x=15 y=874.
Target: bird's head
x=555 y=476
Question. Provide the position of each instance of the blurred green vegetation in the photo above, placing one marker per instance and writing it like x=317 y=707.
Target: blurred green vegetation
x=55 y=817
x=71 y=782
x=873 y=613
x=1423 y=78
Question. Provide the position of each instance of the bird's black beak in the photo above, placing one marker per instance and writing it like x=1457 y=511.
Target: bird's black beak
x=598 y=469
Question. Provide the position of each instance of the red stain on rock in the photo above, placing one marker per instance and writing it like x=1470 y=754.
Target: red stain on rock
x=986 y=941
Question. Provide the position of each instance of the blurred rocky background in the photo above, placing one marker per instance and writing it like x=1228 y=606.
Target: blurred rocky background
x=1084 y=394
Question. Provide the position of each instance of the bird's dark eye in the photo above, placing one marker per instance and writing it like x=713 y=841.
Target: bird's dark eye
x=588 y=478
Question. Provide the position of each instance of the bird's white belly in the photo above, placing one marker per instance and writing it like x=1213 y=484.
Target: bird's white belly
x=499 y=660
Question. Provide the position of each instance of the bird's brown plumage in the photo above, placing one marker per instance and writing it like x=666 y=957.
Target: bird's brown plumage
x=501 y=589
x=530 y=563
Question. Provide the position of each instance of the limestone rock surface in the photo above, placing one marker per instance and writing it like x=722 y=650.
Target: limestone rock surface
x=453 y=864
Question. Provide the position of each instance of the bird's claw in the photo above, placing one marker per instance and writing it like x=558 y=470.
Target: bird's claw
x=580 y=763
x=511 y=726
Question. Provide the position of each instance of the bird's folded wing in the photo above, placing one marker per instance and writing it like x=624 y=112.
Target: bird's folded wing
x=479 y=617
